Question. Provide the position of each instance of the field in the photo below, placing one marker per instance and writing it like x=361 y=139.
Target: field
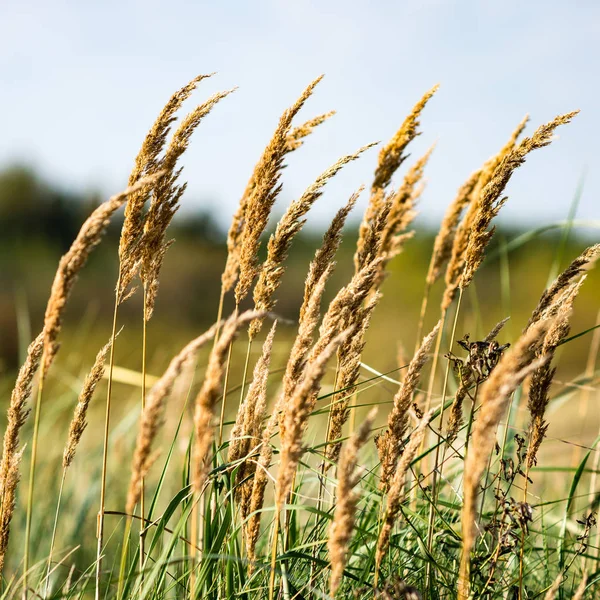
x=372 y=413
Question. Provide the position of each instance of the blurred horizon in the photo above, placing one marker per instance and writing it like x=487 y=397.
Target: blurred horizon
x=509 y=284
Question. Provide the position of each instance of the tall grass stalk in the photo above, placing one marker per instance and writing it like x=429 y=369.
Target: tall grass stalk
x=100 y=523
x=32 y=464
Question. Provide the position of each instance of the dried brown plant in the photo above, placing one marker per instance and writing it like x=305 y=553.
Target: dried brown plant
x=17 y=412
x=392 y=155
x=400 y=215
x=512 y=369
x=349 y=364
x=11 y=455
x=342 y=525
x=479 y=181
x=259 y=484
x=294 y=140
x=541 y=379
x=324 y=256
x=442 y=246
x=8 y=502
x=547 y=303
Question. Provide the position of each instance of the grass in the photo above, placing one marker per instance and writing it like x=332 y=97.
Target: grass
x=259 y=468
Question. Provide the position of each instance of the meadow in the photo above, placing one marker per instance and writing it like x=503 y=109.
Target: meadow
x=376 y=412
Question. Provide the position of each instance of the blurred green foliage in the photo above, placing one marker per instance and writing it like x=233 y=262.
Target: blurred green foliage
x=38 y=222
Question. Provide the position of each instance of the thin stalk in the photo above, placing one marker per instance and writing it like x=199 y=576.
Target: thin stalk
x=100 y=525
x=436 y=353
x=246 y=363
x=124 y=551
x=434 y=490
x=522 y=548
x=274 y=554
x=471 y=418
x=225 y=384
x=54 y=527
x=34 y=444
x=423 y=468
x=142 y=503
x=219 y=316
x=194 y=538
x=322 y=475
x=424 y=303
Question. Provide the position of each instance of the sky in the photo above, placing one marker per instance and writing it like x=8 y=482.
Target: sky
x=83 y=81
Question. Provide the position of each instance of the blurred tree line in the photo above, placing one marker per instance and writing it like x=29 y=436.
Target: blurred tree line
x=38 y=222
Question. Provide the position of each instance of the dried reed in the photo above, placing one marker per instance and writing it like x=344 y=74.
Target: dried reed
x=147 y=162
x=490 y=201
x=542 y=377
x=342 y=525
x=309 y=316
x=271 y=271
x=79 y=420
x=17 y=412
x=479 y=180
x=257 y=207
x=442 y=246
x=8 y=502
x=165 y=203
x=294 y=140
x=11 y=457
x=349 y=363
x=392 y=155
x=547 y=304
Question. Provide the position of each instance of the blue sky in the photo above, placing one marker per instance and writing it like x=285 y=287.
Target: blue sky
x=83 y=81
